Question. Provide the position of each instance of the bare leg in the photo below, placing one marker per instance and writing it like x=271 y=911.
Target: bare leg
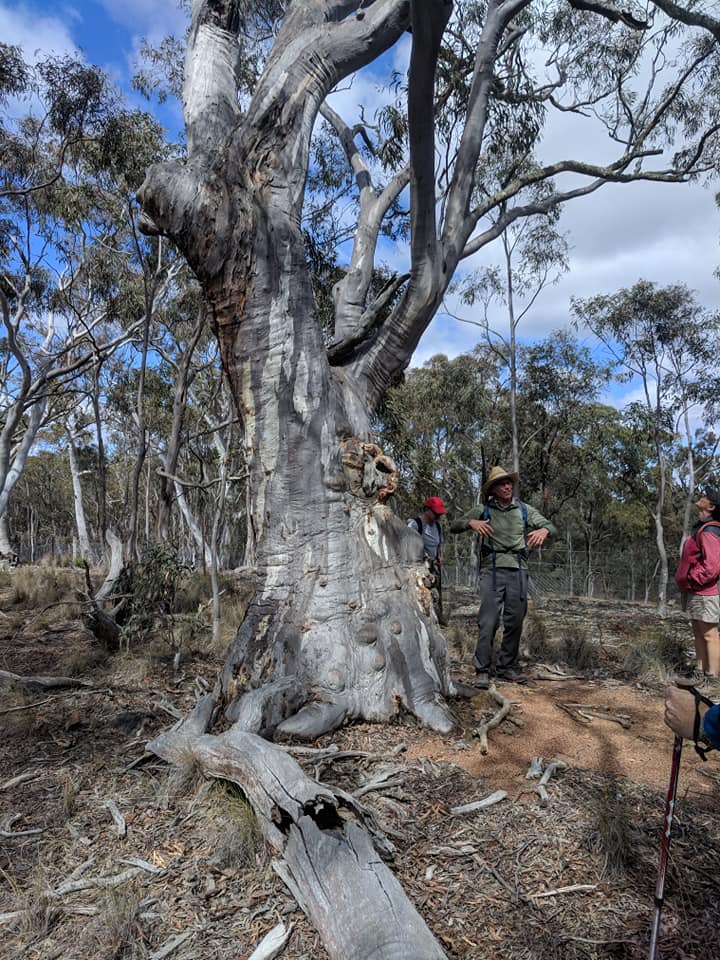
x=707 y=645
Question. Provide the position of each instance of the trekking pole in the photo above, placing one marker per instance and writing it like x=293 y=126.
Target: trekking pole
x=667 y=828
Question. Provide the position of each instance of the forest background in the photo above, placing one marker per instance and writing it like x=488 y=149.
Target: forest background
x=113 y=409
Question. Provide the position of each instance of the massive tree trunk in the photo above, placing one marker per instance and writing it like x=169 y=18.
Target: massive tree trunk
x=342 y=624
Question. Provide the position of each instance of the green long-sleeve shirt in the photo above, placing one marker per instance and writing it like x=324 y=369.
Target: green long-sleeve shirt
x=508 y=534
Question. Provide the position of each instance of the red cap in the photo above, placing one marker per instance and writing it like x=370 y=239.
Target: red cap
x=436 y=505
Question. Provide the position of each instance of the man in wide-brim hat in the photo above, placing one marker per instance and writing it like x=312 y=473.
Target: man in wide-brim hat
x=508 y=528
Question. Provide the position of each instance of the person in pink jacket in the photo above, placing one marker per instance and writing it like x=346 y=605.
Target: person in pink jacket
x=697 y=576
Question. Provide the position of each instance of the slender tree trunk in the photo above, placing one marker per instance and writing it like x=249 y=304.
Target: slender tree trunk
x=101 y=459
x=183 y=379
x=84 y=545
x=660 y=533
x=690 y=461
x=513 y=360
x=12 y=463
x=141 y=448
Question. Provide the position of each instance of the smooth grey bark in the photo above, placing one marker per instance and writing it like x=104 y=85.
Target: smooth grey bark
x=84 y=544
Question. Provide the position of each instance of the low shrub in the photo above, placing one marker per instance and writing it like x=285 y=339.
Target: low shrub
x=536 y=639
x=576 y=648
x=658 y=653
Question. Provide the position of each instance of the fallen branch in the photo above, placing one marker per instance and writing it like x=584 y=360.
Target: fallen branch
x=535 y=769
x=479 y=804
x=272 y=943
x=482 y=731
x=20 y=778
x=573 y=888
x=74 y=886
x=11 y=681
x=119 y=819
x=142 y=864
x=7 y=831
x=589 y=711
x=392 y=777
x=171 y=945
x=40 y=703
x=545 y=672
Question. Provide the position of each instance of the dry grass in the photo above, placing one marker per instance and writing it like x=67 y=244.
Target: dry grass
x=39 y=911
x=611 y=835
x=39 y=587
x=115 y=933
x=183 y=780
x=69 y=797
x=233 y=829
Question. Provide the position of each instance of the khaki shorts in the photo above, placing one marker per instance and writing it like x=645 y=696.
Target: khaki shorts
x=706 y=609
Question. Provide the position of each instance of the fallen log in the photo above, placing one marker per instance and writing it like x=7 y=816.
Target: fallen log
x=328 y=860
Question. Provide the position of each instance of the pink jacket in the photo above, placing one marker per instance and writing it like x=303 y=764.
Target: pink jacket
x=699 y=568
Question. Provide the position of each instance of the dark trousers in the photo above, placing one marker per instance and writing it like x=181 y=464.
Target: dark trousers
x=501 y=591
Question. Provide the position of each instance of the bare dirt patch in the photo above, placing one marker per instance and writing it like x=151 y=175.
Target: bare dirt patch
x=570 y=878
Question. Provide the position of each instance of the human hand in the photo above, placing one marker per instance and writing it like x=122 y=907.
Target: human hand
x=482 y=527
x=680 y=711
x=536 y=538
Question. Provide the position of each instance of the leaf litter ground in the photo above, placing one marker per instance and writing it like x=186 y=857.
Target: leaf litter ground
x=570 y=878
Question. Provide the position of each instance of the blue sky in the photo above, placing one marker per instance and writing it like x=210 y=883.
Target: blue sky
x=664 y=233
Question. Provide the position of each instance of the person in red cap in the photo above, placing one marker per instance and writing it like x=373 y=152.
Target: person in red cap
x=428 y=526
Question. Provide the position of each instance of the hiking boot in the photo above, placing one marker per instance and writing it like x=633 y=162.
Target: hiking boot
x=482 y=679
x=510 y=675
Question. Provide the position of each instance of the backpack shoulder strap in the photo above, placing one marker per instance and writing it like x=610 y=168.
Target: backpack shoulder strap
x=419 y=524
x=485 y=513
x=710 y=523
x=524 y=512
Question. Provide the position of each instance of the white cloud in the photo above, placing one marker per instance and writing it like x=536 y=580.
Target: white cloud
x=152 y=21
x=36 y=32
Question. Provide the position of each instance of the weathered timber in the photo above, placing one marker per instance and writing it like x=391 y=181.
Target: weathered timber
x=328 y=859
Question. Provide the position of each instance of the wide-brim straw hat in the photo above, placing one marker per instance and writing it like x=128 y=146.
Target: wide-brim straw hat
x=496 y=475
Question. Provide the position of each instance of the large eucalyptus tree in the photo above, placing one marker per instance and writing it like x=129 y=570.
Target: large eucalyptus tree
x=341 y=625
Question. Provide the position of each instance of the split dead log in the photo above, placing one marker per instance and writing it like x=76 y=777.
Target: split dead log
x=323 y=837
x=482 y=731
